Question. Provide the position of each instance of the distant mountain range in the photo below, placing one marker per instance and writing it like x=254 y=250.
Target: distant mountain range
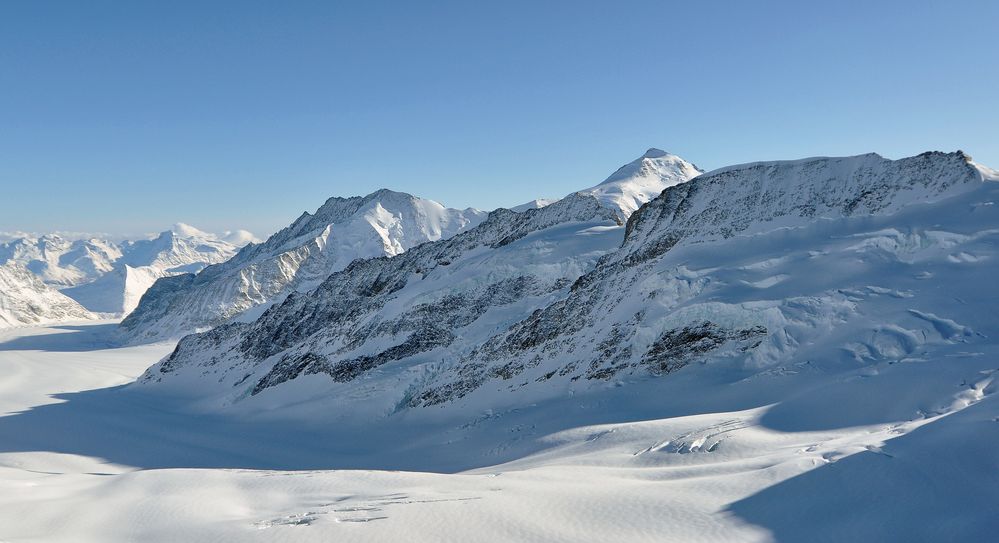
x=26 y=300
x=110 y=277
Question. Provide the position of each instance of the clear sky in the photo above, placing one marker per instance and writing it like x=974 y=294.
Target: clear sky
x=127 y=116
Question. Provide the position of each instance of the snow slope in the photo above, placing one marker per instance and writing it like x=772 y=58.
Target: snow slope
x=118 y=291
x=421 y=331
x=182 y=249
x=26 y=300
x=641 y=180
x=381 y=223
x=635 y=183
x=109 y=277
x=61 y=262
x=817 y=363
x=778 y=457
x=295 y=259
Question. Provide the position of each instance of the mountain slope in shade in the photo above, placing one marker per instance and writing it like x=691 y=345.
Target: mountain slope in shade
x=497 y=316
x=26 y=300
x=299 y=257
x=635 y=183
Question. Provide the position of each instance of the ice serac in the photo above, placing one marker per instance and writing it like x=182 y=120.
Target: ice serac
x=26 y=300
x=821 y=264
x=299 y=257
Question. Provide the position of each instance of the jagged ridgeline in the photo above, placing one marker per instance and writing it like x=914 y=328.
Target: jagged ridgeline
x=297 y=258
x=384 y=223
x=106 y=276
x=750 y=267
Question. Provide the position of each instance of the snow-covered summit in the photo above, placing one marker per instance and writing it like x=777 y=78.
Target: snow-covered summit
x=643 y=179
x=298 y=257
x=187 y=231
x=635 y=183
x=94 y=270
x=182 y=248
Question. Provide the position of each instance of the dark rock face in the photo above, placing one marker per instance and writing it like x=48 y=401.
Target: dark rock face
x=675 y=349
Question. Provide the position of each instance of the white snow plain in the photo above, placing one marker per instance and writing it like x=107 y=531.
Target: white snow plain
x=899 y=450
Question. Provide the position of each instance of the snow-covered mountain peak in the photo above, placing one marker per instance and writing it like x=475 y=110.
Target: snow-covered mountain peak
x=180 y=249
x=239 y=238
x=654 y=153
x=108 y=276
x=642 y=179
x=299 y=257
x=187 y=231
x=635 y=183
x=61 y=262
x=513 y=305
x=653 y=162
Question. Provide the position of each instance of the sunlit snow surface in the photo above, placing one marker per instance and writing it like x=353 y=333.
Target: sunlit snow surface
x=881 y=423
x=896 y=451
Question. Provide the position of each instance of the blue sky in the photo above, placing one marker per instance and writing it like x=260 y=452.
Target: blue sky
x=127 y=116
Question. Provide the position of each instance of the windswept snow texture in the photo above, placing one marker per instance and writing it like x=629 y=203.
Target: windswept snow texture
x=26 y=300
x=297 y=258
